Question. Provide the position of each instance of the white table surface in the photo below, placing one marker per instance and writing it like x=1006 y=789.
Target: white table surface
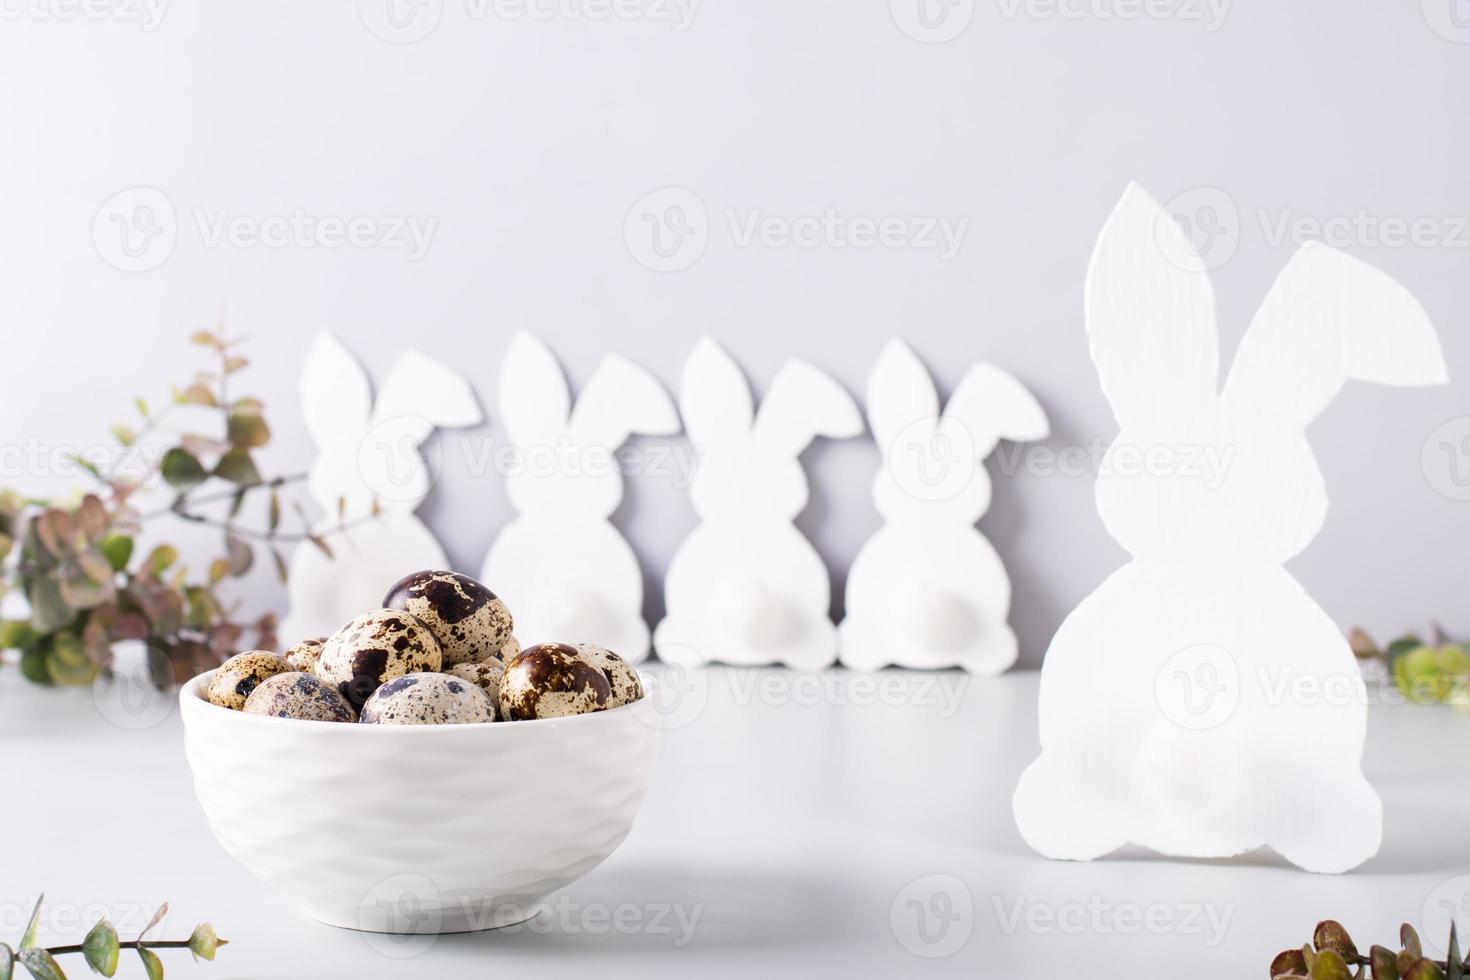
x=786 y=822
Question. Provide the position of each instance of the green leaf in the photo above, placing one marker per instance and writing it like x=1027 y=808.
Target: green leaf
x=203 y=942
x=7 y=962
x=118 y=550
x=204 y=609
x=41 y=964
x=1456 y=965
x=49 y=610
x=283 y=571
x=151 y=963
x=16 y=634
x=181 y=470
x=239 y=555
x=142 y=406
x=100 y=948
x=1409 y=940
x=160 y=558
x=123 y=434
x=68 y=662
x=237 y=467
x=198 y=393
x=33 y=664
x=1385 y=964
x=247 y=430
x=28 y=938
x=206 y=338
x=274 y=520
x=1330 y=966
x=1423 y=969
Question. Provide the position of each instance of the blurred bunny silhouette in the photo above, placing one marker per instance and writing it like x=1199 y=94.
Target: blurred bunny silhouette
x=367 y=451
x=928 y=590
x=1170 y=710
x=746 y=587
x=560 y=565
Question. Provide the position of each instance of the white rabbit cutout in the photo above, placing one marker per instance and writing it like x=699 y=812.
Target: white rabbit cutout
x=746 y=587
x=367 y=451
x=928 y=590
x=1171 y=711
x=565 y=572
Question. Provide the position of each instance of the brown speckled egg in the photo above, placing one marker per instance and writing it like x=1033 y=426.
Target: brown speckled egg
x=239 y=675
x=551 y=680
x=486 y=675
x=509 y=651
x=303 y=656
x=299 y=695
x=467 y=619
x=377 y=647
x=622 y=680
x=427 y=699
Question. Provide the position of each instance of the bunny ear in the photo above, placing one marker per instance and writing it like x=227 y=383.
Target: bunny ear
x=1330 y=318
x=534 y=401
x=714 y=397
x=802 y=403
x=430 y=393
x=1150 y=315
x=621 y=399
x=336 y=397
x=993 y=405
x=900 y=393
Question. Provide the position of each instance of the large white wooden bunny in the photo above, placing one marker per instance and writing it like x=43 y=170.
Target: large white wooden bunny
x=561 y=566
x=746 y=587
x=1199 y=702
x=927 y=590
x=368 y=451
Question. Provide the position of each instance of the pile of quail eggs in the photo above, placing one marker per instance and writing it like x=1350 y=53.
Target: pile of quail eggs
x=439 y=652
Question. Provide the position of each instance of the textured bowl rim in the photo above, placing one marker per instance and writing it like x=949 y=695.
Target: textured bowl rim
x=191 y=694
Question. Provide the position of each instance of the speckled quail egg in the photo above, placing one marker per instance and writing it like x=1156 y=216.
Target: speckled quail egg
x=299 y=695
x=509 y=651
x=469 y=621
x=239 y=675
x=486 y=675
x=551 y=680
x=623 y=682
x=427 y=699
x=303 y=656
x=374 y=648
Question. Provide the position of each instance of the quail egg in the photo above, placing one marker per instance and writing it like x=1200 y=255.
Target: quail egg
x=622 y=680
x=239 y=675
x=551 y=680
x=303 y=656
x=509 y=651
x=299 y=695
x=377 y=647
x=427 y=699
x=486 y=675
x=468 y=620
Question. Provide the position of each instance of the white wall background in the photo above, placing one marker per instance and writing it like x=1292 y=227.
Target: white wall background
x=528 y=140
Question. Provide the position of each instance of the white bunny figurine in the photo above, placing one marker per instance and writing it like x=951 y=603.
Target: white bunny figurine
x=927 y=590
x=565 y=572
x=367 y=451
x=1199 y=703
x=746 y=587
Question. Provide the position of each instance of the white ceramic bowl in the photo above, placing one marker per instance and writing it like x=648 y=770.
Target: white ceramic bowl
x=419 y=828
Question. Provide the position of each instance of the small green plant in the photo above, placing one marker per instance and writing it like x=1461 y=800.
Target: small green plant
x=75 y=562
x=1332 y=955
x=1433 y=672
x=101 y=949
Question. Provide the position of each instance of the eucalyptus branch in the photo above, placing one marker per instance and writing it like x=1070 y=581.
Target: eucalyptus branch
x=101 y=948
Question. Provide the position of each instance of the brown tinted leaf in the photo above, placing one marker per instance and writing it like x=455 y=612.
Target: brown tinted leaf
x=237 y=467
x=1330 y=934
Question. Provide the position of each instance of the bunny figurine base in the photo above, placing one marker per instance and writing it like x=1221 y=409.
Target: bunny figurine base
x=928 y=591
x=1199 y=703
